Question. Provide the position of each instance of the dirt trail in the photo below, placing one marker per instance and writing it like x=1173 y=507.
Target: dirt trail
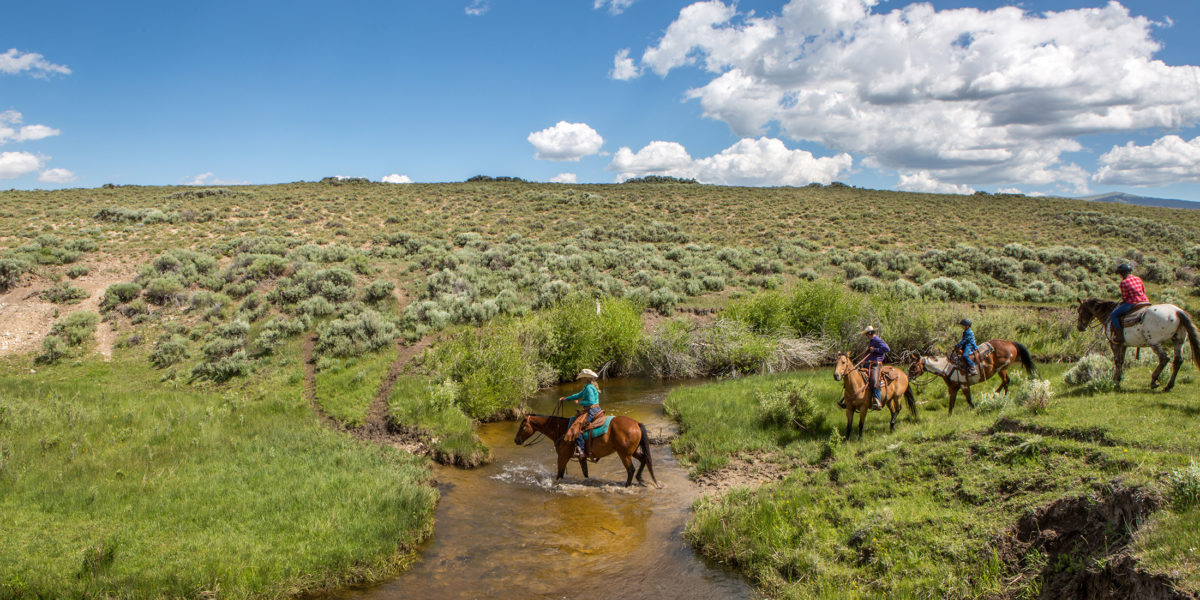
x=25 y=318
x=745 y=471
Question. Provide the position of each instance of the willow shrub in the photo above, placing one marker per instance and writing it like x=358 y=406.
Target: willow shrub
x=588 y=333
x=495 y=366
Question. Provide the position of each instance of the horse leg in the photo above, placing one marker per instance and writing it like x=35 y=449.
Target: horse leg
x=583 y=467
x=862 y=418
x=967 y=395
x=627 y=460
x=564 y=457
x=953 y=396
x=1175 y=363
x=894 y=406
x=1118 y=364
x=1162 y=362
x=1003 y=381
x=849 y=418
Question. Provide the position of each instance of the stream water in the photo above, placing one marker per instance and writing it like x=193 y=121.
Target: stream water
x=509 y=530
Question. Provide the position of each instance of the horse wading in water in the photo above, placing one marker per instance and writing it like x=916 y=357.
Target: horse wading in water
x=1002 y=355
x=625 y=436
x=856 y=392
x=1151 y=327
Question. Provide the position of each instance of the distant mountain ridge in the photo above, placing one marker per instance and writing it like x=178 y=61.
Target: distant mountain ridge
x=1123 y=198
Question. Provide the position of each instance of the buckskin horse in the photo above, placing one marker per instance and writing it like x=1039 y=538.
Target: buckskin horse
x=1150 y=326
x=625 y=436
x=856 y=392
x=1002 y=355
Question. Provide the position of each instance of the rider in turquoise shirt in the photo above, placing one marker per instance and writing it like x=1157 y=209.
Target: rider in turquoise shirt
x=587 y=398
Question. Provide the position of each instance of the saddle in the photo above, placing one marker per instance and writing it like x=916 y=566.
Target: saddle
x=578 y=426
x=887 y=374
x=1136 y=315
x=981 y=352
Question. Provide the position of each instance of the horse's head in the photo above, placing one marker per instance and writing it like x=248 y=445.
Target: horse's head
x=843 y=366
x=1085 y=314
x=524 y=430
x=917 y=369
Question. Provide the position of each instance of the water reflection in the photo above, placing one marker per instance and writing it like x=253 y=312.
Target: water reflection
x=508 y=530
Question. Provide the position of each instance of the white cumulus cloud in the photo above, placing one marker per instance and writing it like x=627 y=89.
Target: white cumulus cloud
x=56 y=176
x=615 y=7
x=566 y=141
x=749 y=162
x=14 y=62
x=624 y=68
x=476 y=8
x=923 y=181
x=1169 y=159
x=396 y=178
x=966 y=96
x=11 y=128
x=16 y=164
x=210 y=178
x=564 y=178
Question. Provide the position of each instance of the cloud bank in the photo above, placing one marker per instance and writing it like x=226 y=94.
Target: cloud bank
x=1168 y=160
x=14 y=62
x=963 y=96
x=749 y=162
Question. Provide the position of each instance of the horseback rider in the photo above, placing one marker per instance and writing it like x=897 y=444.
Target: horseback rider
x=588 y=400
x=1133 y=292
x=876 y=350
x=967 y=346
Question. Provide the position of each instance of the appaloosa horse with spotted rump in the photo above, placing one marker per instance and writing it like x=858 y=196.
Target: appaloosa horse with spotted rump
x=1150 y=326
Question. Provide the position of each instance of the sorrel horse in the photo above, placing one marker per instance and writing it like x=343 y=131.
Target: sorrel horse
x=625 y=436
x=1004 y=353
x=856 y=391
x=1159 y=324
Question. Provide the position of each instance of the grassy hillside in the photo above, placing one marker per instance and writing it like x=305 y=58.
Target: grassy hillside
x=311 y=306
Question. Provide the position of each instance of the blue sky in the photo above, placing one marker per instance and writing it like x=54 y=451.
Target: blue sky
x=1062 y=97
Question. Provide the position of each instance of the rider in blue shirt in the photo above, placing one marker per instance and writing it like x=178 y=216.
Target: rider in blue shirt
x=967 y=345
x=588 y=399
x=877 y=349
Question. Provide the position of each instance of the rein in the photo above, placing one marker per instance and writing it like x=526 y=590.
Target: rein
x=538 y=437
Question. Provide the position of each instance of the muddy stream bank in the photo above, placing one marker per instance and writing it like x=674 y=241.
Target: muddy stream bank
x=508 y=530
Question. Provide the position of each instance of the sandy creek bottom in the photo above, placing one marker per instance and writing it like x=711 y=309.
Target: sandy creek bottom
x=508 y=530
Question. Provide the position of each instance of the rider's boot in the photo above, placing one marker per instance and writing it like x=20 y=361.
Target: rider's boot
x=876 y=404
x=842 y=402
x=1118 y=335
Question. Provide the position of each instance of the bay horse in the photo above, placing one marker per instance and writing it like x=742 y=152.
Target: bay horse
x=1004 y=353
x=1161 y=323
x=625 y=436
x=856 y=392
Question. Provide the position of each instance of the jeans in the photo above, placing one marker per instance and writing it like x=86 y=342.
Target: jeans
x=967 y=358
x=875 y=368
x=1121 y=310
x=587 y=418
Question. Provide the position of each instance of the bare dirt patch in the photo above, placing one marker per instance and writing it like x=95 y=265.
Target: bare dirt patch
x=25 y=318
x=745 y=471
x=1078 y=548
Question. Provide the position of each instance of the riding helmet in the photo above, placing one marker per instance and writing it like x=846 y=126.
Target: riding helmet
x=966 y=322
x=1124 y=269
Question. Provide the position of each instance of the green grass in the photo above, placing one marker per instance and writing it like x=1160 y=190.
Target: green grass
x=346 y=386
x=420 y=403
x=918 y=512
x=112 y=485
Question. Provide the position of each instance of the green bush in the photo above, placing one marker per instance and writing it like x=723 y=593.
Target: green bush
x=1183 y=487
x=76 y=328
x=77 y=271
x=119 y=293
x=63 y=292
x=866 y=284
x=355 y=335
x=54 y=348
x=378 y=290
x=1033 y=394
x=496 y=366
x=790 y=403
x=1093 y=369
x=11 y=270
x=169 y=350
x=587 y=333
x=161 y=290
x=765 y=312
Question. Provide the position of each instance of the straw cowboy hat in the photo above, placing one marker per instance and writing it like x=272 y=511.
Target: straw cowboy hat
x=587 y=373
x=869 y=330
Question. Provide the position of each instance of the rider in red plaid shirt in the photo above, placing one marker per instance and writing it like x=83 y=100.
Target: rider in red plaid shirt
x=1133 y=292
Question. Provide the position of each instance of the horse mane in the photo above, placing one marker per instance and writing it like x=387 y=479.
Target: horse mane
x=1099 y=305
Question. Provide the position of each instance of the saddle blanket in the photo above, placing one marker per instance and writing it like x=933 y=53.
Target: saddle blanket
x=1134 y=316
x=596 y=432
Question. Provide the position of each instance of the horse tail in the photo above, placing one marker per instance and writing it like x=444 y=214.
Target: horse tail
x=645 y=446
x=911 y=401
x=1026 y=359
x=1186 y=321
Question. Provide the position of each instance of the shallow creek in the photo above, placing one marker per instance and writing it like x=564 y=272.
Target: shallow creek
x=509 y=530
